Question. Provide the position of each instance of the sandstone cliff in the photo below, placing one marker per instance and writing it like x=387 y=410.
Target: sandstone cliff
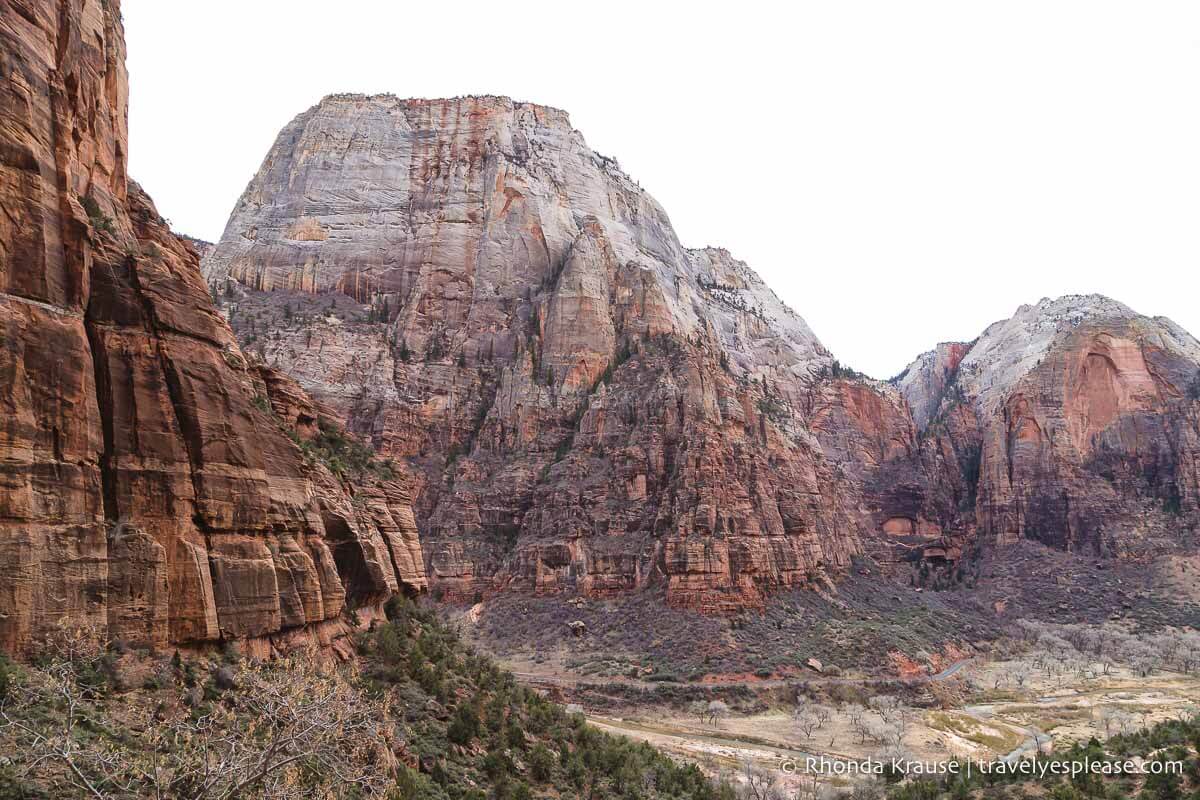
x=585 y=403
x=1079 y=422
x=146 y=486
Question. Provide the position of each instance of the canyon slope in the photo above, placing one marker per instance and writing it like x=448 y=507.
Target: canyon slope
x=156 y=485
x=584 y=405
x=1081 y=421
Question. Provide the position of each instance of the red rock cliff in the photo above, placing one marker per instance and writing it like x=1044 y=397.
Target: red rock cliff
x=586 y=404
x=146 y=486
x=1076 y=425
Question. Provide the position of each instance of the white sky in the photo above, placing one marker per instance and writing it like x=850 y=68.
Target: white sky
x=901 y=173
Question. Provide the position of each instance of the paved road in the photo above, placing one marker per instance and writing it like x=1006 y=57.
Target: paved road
x=950 y=670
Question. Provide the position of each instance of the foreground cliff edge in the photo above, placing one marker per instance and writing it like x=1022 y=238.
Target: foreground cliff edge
x=152 y=482
x=588 y=407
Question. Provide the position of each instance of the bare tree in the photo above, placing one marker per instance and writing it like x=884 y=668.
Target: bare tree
x=717 y=709
x=857 y=715
x=886 y=706
x=1020 y=674
x=1123 y=721
x=289 y=730
x=884 y=734
x=1108 y=717
x=1144 y=663
x=759 y=783
x=806 y=720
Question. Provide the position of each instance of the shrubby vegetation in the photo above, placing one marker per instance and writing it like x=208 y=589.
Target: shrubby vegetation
x=96 y=217
x=343 y=454
x=837 y=371
x=491 y=737
x=1175 y=740
x=419 y=716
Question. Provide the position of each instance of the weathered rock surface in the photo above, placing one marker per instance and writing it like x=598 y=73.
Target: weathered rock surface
x=146 y=489
x=1081 y=420
x=923 y=383
x=586 y=404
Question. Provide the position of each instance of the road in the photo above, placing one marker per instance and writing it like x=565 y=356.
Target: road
x=949 y=671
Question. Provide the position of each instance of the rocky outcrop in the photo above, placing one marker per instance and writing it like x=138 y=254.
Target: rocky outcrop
x=1080 y=418
x=146 y=487
x=924 y=382
x=585 y=404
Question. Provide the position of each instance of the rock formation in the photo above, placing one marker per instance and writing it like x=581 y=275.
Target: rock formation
x=1082 y=422
x=575 y=402
x=585 y=405
x=147 y=487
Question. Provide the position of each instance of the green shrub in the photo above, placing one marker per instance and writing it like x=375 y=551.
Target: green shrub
x=96 y=217
x=8 y=675
x=13 y=788
x=343 y=454
x=541 y=763
x=464 y=726
x=412 y=785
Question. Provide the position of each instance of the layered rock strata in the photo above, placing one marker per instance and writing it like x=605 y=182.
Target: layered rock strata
x=146 y=488
x=1082 y=420
x=586 y=404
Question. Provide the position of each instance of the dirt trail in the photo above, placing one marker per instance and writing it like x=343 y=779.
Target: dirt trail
x=1033 y=737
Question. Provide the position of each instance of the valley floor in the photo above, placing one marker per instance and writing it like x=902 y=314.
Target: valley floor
x=989 y=725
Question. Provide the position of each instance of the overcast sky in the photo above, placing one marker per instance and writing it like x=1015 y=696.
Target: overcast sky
x=901 y=173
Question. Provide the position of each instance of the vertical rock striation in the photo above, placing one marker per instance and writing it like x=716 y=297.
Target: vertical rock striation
x=585 y=404
x=1079 y=420
x=146 y=487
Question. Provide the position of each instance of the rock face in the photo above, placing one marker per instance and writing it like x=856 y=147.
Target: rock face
x=1081 y=420
x=146 y=487
x=924 y=382
x=585 y=404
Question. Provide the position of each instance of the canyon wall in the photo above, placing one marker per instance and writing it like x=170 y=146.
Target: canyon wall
x=573 y=401
x=1082 y=421
x=584 y=403
x=149 y=486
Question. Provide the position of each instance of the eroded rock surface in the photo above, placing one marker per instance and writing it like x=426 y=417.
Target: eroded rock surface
x=146 y=487
x=586 y=404
x=1081 y=419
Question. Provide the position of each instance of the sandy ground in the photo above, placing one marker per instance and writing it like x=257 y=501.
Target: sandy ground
x=993 y=723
